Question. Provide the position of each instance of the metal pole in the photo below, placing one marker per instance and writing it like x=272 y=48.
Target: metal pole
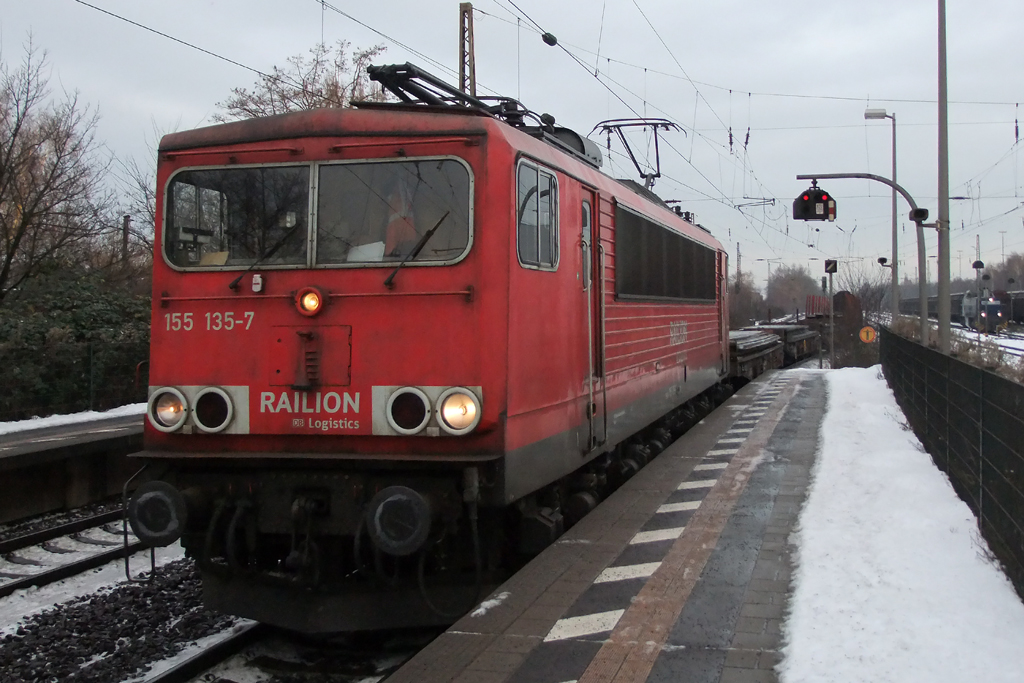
x=831 y=327
x=895 y=296
x=92 y=380
x=922 y=282
x=467 y=51
x=943 y=218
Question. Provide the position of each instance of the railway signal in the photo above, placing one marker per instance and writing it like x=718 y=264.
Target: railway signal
x=831 y=265
x=814 y=204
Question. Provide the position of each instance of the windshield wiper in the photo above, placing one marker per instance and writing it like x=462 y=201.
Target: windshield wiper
x=267 y=254
x=415 y=250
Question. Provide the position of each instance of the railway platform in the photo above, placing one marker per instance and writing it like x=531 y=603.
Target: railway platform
x=63 y=466
x=681 y=575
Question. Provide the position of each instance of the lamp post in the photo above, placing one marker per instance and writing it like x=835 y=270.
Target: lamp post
x=894 y=295
x=1009 y=287
x=977 y=265
x=942 y=223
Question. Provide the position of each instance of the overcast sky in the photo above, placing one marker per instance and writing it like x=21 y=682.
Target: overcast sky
x=798 y=75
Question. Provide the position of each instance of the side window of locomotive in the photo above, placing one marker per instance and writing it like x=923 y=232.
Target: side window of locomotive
x=537 y=219
x=380 y=211
x=234 y=217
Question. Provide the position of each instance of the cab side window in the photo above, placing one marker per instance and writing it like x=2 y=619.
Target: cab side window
x=537 y=219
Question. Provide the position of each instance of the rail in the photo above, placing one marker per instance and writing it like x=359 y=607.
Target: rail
x=970 y=421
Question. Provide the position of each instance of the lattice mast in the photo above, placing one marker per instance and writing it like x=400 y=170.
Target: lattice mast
x=467 y=57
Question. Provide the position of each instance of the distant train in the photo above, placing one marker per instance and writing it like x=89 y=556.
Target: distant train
x=991 y=315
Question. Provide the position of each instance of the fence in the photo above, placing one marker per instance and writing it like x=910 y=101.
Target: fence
x=68 y=378
x=971 y=421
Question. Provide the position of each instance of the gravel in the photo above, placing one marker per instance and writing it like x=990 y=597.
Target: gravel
x=109 y=636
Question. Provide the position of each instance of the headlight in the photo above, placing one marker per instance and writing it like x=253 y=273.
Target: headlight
x=167 y=409
x=213 y=410
x=458 y=411
x=408 y=410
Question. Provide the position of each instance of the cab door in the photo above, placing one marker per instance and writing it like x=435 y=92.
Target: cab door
x=592 y=295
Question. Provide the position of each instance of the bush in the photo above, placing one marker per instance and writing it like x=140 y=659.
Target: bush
x=68 y=344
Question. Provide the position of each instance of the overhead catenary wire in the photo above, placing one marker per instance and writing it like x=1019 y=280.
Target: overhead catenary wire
x=756 y=222
x=192 y=45
x=699 y=133
x=761 y=93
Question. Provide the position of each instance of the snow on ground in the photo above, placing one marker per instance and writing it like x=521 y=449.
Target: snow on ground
x=893 y=581
x=23 y=603
x=1011 y=344
x=59 y=420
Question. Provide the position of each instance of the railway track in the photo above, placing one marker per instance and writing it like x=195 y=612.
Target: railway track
x=49 y=555
x=203 y=657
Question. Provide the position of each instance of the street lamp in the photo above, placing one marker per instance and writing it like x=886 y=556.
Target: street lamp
x=1009 y=287
x=894 y=295
x=977 y=265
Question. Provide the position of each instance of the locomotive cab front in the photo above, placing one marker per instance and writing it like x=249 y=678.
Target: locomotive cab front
x=324 y=401
x=397 y=349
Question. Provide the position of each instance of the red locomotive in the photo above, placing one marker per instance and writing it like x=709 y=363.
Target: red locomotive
x=393 y=346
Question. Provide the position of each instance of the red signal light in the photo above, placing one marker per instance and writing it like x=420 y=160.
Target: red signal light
x=824 y=197
x=806 y=197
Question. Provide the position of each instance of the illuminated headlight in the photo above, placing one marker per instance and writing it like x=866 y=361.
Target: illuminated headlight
x=213 y=410
x=984 y=314
x=167 y=409
x=309 y=301
x=458 y=411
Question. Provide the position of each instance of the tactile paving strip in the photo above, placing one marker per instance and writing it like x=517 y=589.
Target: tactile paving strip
x=574 y=640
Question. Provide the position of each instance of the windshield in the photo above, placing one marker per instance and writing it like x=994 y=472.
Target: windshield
x=366 y=212
x=233 y=217
x=373 y=212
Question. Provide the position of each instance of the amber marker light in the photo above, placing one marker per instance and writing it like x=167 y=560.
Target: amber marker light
x=309 y=301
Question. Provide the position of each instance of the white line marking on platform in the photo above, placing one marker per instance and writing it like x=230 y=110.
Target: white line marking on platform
x=740 y=430
x=702 y=484
x=587 y=625
x=724 y=451
x=710 y=466
x=626 y=572
x=732 y=440
x=658 y=535
x=680 y=507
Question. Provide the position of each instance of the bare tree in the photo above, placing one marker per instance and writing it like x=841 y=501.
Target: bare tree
x=1001 y=273
x=871 y=284
x=746 y=305
x=139 y=197
x=788 y=288
x=330 y=77
x=51 y=170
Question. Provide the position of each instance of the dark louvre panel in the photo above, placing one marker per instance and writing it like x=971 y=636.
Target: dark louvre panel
x=653 y=262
